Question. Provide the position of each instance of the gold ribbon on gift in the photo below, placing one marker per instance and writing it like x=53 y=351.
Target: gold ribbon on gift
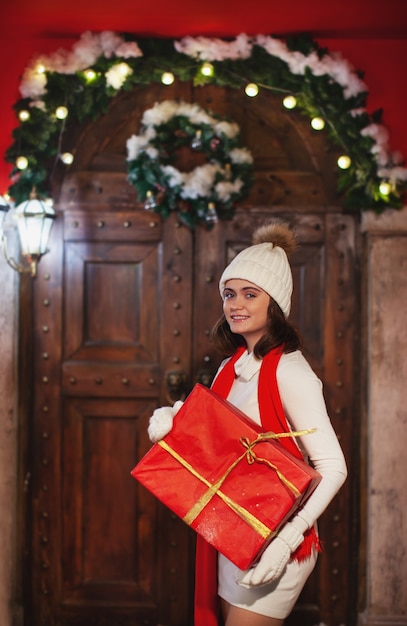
x=214 y=489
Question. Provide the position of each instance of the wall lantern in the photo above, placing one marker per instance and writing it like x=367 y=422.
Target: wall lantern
x=33 y=219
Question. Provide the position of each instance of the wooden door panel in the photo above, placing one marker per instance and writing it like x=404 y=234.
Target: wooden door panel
x=106 y=560
x=307 y=312
x=107 y=288
x=102 y=380
x=132 y=559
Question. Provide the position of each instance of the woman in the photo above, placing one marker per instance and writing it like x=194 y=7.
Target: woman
x=267 y=377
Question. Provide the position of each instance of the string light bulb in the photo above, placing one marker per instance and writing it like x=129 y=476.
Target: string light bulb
x=290 y=102
x=196 y=143
x=24 y=115
x=211 y=215
x=90 y=75
x=317 y=123
x=67 y=158
x=124 y=69
x=251 y=90
x=385 y=188
x=167 y=78
x=61 y=112
x=149 y=203
x=207 y=69
x=344 y=162
x=228 y=171
x=22 y=163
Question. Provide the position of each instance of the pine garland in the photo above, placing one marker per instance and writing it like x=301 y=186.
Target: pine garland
x=323 y=84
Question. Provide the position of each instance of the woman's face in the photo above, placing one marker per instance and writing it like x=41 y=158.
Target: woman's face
x=245 y=307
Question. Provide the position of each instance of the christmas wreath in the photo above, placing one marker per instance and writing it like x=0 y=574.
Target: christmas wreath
x=209 y=191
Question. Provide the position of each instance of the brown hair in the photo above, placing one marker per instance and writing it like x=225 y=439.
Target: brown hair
x=280 y=332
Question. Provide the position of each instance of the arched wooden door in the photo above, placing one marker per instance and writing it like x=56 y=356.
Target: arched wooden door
x=123 y=301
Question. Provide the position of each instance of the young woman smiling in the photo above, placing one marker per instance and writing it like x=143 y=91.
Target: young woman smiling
x=267 y=377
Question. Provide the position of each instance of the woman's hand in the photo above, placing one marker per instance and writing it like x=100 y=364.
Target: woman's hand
x=160 y=422
x=274 y=559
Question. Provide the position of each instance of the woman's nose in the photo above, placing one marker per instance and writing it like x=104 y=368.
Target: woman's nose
x=236 y=304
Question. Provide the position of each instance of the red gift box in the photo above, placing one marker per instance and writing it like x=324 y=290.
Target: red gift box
x=232 y=484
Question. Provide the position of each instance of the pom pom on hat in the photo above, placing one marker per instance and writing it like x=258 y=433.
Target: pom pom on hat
x=266 y=264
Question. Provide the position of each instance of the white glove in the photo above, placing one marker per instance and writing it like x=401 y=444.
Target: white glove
x=160 y=422
x=274 y=559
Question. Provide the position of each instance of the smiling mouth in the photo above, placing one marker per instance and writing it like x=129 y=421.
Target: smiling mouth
x=239 y=318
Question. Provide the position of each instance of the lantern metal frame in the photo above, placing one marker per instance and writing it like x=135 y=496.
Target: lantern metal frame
x=26 y=215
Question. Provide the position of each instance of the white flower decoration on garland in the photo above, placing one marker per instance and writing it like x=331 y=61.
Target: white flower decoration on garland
x=84 y=54
x=207 y=49
x=209 y=191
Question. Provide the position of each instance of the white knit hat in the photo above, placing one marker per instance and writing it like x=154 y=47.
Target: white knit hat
x=266 y=263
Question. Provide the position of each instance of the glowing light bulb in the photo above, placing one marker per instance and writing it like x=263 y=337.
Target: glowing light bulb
x=149 y=203
x=24 y=115
x=317 y=123
x=167 y=78
x=61 y=112
x=67 y=158
x=207 y=69
x=344 y=162
x=22 y=162
x=196 y=143
x=251 y=90
x=90 y=75
x=40 y=68
x=124 y=69
x=228 y=171
x=290 y=102
x=385 y=188
x=211 y=216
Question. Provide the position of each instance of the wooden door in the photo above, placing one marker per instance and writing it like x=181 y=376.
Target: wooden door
x=123 y=303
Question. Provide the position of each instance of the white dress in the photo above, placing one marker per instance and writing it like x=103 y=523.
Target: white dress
x=304 y=406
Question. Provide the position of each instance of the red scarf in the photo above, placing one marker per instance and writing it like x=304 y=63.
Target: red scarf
x=272 y=419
